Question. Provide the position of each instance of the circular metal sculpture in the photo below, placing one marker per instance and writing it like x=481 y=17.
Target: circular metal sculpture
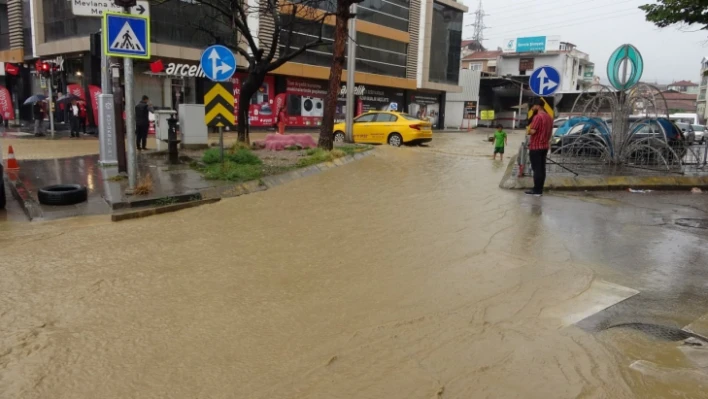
x=626 y=59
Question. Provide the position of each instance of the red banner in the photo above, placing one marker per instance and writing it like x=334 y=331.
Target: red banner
x=76 y=90
x=261 y=110
x=94 y=91
x=6 y=109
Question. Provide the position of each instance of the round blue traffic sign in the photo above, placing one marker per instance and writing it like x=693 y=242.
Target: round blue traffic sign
x=545 y=81
x=218 y=63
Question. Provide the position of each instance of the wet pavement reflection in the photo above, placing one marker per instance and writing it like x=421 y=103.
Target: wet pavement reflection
x=407 y=274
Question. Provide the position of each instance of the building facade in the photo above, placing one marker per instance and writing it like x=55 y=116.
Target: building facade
x=483 y=61
x=684 y=86
x=394 y=38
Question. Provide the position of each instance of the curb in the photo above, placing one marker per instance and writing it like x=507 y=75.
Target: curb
x=141 y=213
x=29 y=205
x=269 y=182
x=177 y=199
x=603 y=183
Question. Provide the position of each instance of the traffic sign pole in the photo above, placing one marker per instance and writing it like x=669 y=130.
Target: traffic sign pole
x=130 y=120
x=51 y=102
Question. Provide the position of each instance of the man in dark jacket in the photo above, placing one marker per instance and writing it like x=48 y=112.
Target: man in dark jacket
x=142 y=122
x=38 y=114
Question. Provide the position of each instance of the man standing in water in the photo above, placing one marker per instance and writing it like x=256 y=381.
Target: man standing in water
x=539 y=142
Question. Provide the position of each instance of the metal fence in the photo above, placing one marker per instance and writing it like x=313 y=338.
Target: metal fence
x=585 y=160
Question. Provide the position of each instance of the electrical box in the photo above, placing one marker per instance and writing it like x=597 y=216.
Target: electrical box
x=161 y=126
x=193 y=130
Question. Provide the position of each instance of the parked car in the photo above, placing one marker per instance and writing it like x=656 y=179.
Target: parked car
x=572 y=129
x=688 y=133
x=394 y=128
x=700 y=132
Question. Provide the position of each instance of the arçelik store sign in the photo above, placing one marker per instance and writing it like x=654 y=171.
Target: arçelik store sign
x=175 y=69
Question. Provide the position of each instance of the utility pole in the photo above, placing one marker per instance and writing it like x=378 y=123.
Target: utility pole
x=351 y=70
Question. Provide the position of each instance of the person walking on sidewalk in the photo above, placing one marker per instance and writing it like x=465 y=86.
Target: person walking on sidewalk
x=142 y=122
x=38 y=114
x=539 y=142
x=281 y=117
x=82 y=116
x=74 y=118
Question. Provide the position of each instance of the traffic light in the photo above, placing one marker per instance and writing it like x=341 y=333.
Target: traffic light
x=45 y=68
x=125 y=3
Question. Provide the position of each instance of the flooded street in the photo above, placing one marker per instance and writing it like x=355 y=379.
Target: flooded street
x=407 y=274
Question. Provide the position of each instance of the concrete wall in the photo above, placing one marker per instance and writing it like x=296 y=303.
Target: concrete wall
x=455 y=102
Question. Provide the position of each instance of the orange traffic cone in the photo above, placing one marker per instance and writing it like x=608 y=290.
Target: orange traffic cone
x=11 y=161
x=151 y=129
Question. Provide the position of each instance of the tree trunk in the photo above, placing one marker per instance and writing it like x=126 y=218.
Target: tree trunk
x=341 y=35
x=250 y=86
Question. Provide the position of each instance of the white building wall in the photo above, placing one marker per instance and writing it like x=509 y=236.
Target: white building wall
x=567 y=65
x=455 y=102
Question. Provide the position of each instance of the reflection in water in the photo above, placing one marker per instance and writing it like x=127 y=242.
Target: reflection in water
x=407 y=274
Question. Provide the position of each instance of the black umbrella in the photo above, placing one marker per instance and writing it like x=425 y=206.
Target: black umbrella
x=68 y=98
x=35 y=98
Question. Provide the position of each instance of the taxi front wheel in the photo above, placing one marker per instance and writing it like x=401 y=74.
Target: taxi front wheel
x=338 y=137
x=395 y=139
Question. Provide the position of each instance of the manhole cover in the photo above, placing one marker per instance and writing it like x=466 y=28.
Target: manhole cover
x=661 y=332
x=695 y=223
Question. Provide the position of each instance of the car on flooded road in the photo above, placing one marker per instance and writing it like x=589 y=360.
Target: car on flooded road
x=381 y=127
x=700 y=133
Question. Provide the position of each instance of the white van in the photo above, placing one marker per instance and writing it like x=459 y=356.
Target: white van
x=686 y=118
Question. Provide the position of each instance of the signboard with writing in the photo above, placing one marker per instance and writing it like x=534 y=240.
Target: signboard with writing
x=534 y=44
x=96 y=8
x=470 y=109
x=487 y=114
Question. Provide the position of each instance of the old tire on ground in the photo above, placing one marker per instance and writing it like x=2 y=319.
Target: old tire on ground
x=62 y=194
x=339 y=137
x=395 y=139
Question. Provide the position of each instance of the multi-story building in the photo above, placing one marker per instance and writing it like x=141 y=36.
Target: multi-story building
x=395 y=59
x=483 y=61
x=701 y=108
x=575 y=68
x=684 y=86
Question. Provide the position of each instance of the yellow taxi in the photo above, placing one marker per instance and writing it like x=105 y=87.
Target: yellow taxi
x=394 y=128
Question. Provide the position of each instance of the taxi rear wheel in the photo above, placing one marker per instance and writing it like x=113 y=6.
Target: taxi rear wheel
x=395 y=139
x=338 y=137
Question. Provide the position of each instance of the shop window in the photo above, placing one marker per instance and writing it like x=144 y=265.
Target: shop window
x=446 y=39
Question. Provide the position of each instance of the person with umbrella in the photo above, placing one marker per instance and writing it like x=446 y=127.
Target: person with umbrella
x=74 y=118
x=38 y=114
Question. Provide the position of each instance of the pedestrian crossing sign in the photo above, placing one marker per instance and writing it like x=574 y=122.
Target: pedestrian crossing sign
x=126 y=35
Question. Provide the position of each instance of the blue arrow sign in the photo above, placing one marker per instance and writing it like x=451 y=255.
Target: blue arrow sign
x=126 y=36
x=545 y=80
x=218 y=63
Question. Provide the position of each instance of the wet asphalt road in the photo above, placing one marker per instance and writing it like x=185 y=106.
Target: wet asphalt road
x=408 y=274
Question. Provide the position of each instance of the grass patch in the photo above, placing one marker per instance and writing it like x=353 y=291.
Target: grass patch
x=232 y=171
x=164 y=201
x=144 y=186
x=314 y=156
x=350 y=149
x=117 y=178
x=242 y=156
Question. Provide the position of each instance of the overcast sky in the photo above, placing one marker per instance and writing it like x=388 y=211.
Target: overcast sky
x=597 y=27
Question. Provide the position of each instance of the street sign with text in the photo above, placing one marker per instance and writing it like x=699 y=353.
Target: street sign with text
x=96 y=8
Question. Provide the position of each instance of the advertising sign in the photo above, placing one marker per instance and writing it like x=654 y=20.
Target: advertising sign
x=487 y=115
x=470 y=109
x=589 y=72
x=6 y=108
x=261 y=110
x=425 y=106
x=534 y=44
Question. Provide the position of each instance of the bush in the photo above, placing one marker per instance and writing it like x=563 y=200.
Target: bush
x=244 y=156
x=232 y=172
x=211 y=156
x=241 y=156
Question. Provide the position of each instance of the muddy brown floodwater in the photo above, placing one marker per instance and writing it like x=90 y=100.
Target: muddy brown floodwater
x=407 y=274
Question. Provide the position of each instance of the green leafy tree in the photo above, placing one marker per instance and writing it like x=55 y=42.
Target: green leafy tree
x=669 y=12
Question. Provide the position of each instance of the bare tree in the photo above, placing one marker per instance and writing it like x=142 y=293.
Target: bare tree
x=341 y=35
x=264 y=55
